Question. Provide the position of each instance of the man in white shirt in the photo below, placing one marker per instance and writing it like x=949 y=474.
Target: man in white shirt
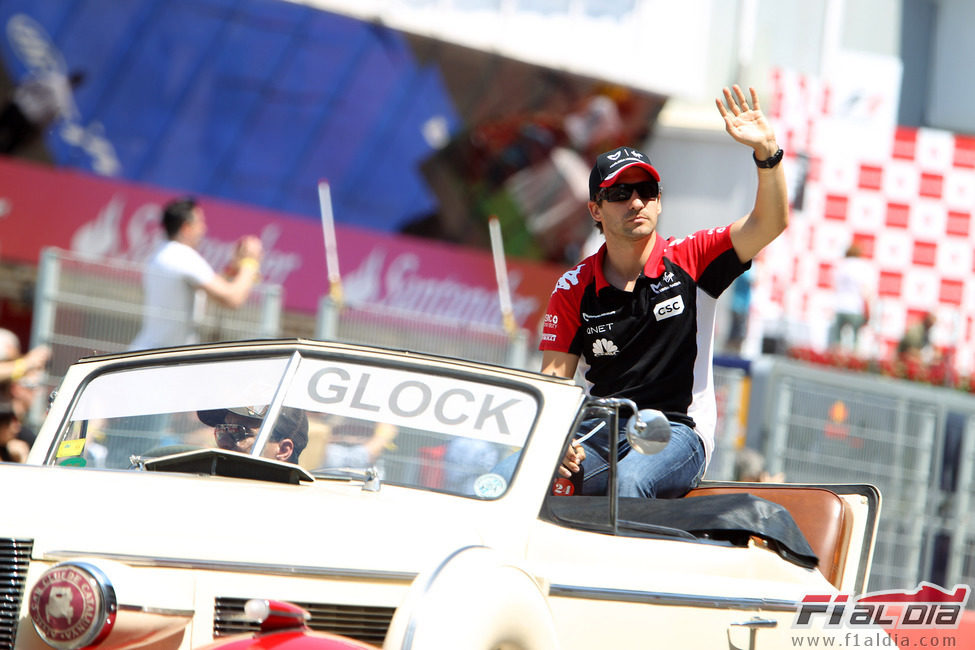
x=852 y=282
x=177 y=279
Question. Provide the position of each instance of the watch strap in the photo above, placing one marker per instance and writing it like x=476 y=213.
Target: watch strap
x=769 y=162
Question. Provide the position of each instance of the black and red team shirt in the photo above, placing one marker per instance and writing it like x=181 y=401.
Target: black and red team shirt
x=652 y=345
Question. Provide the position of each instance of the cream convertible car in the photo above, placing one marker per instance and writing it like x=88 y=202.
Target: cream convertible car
x=168 y=488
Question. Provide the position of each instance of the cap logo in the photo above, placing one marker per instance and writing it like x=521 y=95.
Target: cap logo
x=257 y=411
x=631 y=155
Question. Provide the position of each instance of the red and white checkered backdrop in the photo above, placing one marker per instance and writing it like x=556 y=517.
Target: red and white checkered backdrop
x=906 y=195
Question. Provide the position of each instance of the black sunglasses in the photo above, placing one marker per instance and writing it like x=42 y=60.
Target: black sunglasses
x=228 y=435
x=646 y=190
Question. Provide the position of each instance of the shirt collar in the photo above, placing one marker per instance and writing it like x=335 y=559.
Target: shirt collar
x=649 y=269
x=597 y=261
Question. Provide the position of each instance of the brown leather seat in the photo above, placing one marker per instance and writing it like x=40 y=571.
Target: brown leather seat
x=823 y=517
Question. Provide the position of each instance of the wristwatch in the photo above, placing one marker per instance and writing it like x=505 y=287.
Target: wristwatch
x=769 y=162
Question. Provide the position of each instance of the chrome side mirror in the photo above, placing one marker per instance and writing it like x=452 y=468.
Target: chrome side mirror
x=648 y=431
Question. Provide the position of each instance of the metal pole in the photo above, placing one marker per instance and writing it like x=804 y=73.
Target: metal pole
x=48 y=271
x=270 y=326
x=518 y=350
x=327 y=322
x=614 y=488
x=779 y=428
x=727 y=442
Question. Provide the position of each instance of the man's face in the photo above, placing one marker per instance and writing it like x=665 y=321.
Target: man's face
x=196 y=227
x=239 y=433
x=633 y=218
x=23 y=392
x=8 y=352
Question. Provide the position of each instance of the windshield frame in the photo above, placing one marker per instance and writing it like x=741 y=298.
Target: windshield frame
x=293 y=358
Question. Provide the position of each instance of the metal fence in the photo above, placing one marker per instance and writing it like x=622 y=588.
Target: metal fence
x=84 y=306
x=731 y=388
x=913 y=441
x=401 y=329
x=954 y=540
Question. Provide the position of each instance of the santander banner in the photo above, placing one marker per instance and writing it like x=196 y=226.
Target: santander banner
x=102 y=218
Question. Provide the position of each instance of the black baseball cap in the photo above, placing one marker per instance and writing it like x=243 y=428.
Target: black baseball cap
x=609 y=165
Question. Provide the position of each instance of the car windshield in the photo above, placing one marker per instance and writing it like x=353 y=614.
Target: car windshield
x=417 y=428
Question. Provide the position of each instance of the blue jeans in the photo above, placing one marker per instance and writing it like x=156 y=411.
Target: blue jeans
x=669 y=474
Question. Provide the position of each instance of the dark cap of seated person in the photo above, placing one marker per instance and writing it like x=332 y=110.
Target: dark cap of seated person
x=292 y=423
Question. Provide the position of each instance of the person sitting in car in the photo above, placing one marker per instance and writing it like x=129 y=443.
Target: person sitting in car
x=235 y=429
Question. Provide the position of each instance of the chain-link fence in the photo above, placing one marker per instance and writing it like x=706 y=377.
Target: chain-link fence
x=731 y=386
x=400 y=329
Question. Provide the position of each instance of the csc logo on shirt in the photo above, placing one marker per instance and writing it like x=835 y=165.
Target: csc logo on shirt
x=668 y=308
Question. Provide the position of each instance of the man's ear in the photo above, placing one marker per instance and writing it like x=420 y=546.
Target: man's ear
x=595 y=211
x=286 y=447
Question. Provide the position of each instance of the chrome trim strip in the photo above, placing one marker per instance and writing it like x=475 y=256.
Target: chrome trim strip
x=757 y=623
x=161 y=611
x=556 y=590
x=239 y=567
x=666 y=598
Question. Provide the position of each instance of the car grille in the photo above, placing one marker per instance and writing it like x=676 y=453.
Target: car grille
x=368 y=624
x=14 y=560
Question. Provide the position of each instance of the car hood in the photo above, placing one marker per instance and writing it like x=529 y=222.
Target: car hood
x=142 y=516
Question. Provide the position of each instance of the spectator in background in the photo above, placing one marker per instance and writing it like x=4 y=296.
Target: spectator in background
x=12 y=449
x=13 y=366
x=37 y=103
x=750 y=467
x=850 y=298
x=915 y=345
x=357 y=443
x=177 y=279
x=465 y=459
x=741 y=299
x=19 y=382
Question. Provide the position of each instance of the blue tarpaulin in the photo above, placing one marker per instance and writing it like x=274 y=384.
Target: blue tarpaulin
x=247 y=100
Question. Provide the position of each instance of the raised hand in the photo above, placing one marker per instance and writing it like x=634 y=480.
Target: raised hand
x=250 y=246
x=746 y=123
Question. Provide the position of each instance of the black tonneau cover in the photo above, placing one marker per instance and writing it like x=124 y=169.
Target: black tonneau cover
x=733 y=518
